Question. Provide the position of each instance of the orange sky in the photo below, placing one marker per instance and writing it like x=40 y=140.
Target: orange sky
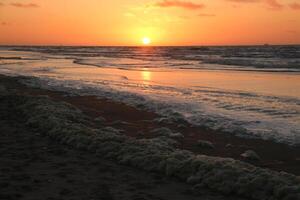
x=165 y=22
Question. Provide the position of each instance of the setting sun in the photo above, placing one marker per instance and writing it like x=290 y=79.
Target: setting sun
x=206 y=91
x=146 y=40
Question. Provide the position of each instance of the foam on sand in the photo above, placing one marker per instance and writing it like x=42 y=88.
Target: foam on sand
x=231 y=112
x=68 y=125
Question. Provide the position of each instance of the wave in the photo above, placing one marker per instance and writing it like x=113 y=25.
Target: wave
x=265 y=117
x=239 y=112
x=262 y=58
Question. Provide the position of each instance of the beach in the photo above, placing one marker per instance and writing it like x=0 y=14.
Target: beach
x=248 y=97
x=140 y=124
x=36 y=167
x=40 y=152
x=150 y=100
x=150 y=123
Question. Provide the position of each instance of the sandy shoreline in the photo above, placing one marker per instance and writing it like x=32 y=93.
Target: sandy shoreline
x=36 y=168
x=138 y=123
x=133 y=123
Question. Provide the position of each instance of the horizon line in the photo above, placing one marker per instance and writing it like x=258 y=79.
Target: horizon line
x=146 y=46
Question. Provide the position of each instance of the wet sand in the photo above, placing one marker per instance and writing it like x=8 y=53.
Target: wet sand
x=138 y=123
x=275 y=156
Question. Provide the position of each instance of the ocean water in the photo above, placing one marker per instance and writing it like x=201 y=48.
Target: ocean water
x=250 y=91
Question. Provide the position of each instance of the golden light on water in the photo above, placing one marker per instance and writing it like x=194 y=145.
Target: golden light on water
x=146 y=75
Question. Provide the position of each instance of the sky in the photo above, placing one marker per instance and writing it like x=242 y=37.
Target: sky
x=164 y=22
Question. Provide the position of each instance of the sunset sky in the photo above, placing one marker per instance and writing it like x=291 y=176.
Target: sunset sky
x=165 y=22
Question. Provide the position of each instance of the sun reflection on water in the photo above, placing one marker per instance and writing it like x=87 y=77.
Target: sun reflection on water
x=146 y=75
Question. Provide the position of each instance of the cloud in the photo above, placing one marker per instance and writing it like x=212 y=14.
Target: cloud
x=180 y=4
x=3 y=23
x=292 y=32
x=244 y=1
x=295 y=6
x=1 y=4
x=206 y=15
x=24 y=5
x=274 y=4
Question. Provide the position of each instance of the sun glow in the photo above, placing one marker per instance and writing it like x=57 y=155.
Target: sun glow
x=146 y=41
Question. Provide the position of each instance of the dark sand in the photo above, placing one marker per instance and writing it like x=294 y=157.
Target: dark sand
x=36 y=168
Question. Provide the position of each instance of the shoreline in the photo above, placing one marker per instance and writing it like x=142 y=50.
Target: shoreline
x=246 y=104
x=38 y=114
x=35 y=167
x=138 y=123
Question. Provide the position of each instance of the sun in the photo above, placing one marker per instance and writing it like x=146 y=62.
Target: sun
x=146 y=41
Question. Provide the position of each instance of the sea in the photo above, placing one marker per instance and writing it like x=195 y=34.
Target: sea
x=247 y=91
